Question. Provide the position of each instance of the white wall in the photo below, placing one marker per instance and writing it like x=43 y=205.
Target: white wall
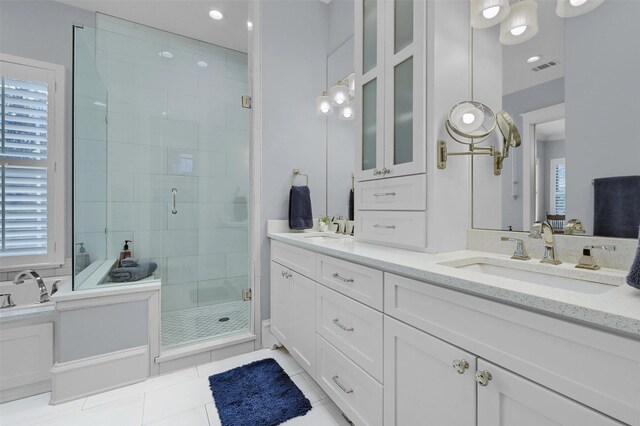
x=294 y=43
x=602 y=125
x=42 y=30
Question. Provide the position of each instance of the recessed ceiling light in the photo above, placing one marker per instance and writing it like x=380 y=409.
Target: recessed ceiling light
x=249 y=25
x=534 y=58
x=202 y=64
x=166 y=54
x=100 y=104
x=216 y=14
x=577 y=2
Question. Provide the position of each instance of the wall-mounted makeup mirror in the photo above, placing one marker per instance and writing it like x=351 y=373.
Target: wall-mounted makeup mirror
x=572 y=92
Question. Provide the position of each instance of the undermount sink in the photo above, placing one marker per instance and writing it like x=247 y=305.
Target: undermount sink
x=535 y=273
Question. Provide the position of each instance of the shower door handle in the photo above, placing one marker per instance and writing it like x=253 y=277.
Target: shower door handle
x=174 y=192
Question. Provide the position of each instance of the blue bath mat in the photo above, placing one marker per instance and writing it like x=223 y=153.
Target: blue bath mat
x=257 y=394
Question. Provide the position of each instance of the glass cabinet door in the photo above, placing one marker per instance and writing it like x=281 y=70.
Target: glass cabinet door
x=369 y=71
x=404 y=145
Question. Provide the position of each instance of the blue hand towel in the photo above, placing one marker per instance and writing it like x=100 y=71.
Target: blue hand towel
x=616 y=206
x=300 y=215
x=133 y=273
x=633 y=279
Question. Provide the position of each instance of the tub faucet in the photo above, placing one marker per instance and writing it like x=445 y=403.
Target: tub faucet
x=544 y=230
x=20 y=278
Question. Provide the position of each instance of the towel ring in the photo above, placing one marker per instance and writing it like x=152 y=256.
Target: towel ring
x=297 y=172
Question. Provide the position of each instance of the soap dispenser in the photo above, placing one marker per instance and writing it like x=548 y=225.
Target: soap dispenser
x=125 y=252
x=82 y=258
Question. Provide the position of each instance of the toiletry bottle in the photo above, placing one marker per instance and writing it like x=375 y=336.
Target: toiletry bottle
x=124 y=253
x=82 y=258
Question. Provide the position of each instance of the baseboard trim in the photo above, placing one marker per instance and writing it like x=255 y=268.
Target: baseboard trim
x=210 y=345
x=268 y=340
x=25 y=391
x=89 y=376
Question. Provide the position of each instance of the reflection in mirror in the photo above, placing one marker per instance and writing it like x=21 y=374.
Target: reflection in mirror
x=340 y=137
x=569 y=91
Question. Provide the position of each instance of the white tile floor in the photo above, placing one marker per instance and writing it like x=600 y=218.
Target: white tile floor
x=180 y=398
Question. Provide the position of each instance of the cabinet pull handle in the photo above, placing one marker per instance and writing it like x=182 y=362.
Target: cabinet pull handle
x=337 y=322
x=460 y=365
x=174 y=193
x=286 y=274
x=384 y=226
x=343 y=279
x=340 y=385
x=384 y=194
x=483 y=377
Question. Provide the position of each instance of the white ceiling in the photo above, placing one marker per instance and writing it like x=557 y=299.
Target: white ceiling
x=189 y=18
x=550 y=131
x=548 y=43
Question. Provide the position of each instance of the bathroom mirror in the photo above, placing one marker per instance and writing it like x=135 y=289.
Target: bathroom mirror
x=571 y=92
x=340 y=147
x=340 y=137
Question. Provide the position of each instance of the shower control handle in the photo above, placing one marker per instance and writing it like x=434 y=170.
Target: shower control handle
x=174 y=192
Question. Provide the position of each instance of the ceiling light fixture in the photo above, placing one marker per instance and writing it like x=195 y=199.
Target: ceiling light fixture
x=202 y=64
x=166 y=54
x=571 y=8
x=534 y=58
x=249 y=25
x=521 y=24
x=216 y=14
x=487 y=13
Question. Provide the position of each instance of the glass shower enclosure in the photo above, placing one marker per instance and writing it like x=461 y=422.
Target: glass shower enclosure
x=161 y=159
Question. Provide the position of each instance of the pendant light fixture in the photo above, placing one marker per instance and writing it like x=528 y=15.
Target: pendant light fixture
x=487 y=13
x=521 y=24
x=339 y=94
x=323 y=104
x=347 y=112
x=571 y=8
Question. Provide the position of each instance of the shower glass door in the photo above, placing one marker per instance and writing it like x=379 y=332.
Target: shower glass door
x=180 y=140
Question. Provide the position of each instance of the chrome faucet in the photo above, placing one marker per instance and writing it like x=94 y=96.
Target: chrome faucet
x=342 y=223
x=587 y=262
x=544 y=230
x=520 y=252
x=20 y=278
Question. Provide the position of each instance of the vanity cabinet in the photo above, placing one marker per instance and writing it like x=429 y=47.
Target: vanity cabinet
x=293 y=304
x=390 y=51
x=394 y=350
x=508 y=399
x=421 y=385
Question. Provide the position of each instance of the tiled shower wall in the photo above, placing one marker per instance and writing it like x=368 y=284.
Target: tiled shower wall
x=175 y=124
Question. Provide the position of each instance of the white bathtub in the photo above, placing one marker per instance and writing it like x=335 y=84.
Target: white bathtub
x=26 y=339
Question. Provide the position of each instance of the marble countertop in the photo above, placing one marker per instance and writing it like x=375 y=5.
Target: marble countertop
x=617 y=309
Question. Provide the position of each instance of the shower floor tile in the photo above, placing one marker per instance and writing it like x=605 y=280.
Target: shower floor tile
x=195 y=324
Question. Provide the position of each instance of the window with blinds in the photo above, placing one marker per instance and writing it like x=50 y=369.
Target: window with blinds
x=23 y=121
x=558 y=186
x=27 y=166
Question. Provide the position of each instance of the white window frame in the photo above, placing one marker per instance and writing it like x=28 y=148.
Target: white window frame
x=553 y=163
x=56 y=129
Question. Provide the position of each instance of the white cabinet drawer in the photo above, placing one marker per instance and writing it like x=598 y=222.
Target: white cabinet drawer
x=358 y=282
x=354 y=391
x=401 y=229
x=403 y=193
x=300 y=260
x=355 y=329
x=596 y=368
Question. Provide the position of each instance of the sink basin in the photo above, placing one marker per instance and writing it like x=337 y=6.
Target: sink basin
x=322 y=237
x=535 y=273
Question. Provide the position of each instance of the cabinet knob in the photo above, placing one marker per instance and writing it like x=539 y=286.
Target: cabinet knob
x=460 y=365
x=385 y=171
x=483 y=377
x=376 y=172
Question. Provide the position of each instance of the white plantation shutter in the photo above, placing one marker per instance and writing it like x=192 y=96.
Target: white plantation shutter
x=27 y=165
x=558 y=186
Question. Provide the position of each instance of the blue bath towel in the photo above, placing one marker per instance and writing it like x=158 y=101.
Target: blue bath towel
x=633 y=279
x=616 y=206
x=300 y=215
x=133 y=273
